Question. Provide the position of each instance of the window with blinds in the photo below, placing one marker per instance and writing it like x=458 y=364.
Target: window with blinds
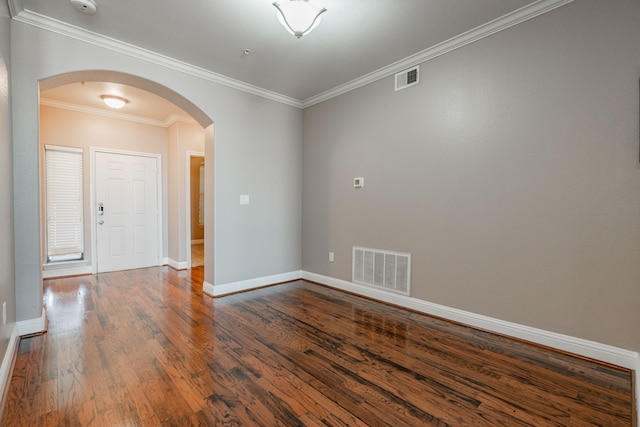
x=64 y=203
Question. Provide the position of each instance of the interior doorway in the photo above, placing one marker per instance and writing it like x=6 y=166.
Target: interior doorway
x=195 y=208
x=155 y=120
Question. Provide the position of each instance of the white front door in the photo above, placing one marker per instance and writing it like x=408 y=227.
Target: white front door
x=127 y=211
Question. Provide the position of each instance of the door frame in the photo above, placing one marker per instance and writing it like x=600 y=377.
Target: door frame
x=92 y=199
x=189 y=155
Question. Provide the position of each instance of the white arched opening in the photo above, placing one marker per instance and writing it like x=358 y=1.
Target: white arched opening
x=175 y=230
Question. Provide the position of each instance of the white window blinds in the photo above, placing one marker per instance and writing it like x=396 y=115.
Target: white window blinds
x=64 y=203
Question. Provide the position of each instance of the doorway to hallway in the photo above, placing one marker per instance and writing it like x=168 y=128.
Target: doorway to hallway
x=195 y=165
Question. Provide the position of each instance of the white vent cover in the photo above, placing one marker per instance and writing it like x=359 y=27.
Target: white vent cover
x=387 y=270
x=407 y=78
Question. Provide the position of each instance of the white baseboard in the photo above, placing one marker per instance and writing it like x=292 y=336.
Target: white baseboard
x=246 y=285
x=593 y=350
x=6 y=370
x=636 y=381
x=176 y=265
x=32 y=326
x=578 y=346
x=207 y=288
x=63 y=272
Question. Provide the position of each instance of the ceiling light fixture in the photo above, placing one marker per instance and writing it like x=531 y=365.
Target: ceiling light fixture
x=299 y=17
x=114 y=101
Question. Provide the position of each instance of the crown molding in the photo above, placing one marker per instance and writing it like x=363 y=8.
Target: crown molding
x=59 y=27
x=174 y=118
x=15 y=7
x=116 y=115
x=507 y=21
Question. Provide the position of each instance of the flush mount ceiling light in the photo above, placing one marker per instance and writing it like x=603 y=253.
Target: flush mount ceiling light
x=114 y=101
x=299 y=17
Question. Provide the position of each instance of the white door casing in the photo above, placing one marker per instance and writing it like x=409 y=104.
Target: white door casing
x=126 y=210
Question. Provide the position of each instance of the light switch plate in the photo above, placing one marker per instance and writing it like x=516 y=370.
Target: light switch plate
x=244 y=199
x=358 y=182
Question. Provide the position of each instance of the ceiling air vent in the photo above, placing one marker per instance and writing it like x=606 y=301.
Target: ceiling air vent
x=407 y=78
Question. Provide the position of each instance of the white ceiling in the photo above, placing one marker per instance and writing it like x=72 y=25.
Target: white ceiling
x=355 y=38
x=143 y=106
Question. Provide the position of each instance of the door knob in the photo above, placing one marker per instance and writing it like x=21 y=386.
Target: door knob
x=101 y=222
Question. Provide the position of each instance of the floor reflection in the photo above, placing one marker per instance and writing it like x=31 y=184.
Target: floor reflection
x=147 y=347
x=379 y=327
x=67 y=305
x=197 y=255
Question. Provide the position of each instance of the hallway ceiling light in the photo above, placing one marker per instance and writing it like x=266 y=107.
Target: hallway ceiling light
x=299 y=17
x=114 y=101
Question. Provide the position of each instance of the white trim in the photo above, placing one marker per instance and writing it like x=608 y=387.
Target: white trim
x=603 y=352
x=246 y=285
x=516 y=17
x=636 y=380
x=6 y=370
x=76 y=150
x=64 y=29
x=578 y=346
x=509 y=20
x=32 y=326
x=48 y=273
x=178 y=118
x=116 y=115
x=581 y=347
x=15 y=7
x=207 y=288
x=176 y=265
x=92 y=199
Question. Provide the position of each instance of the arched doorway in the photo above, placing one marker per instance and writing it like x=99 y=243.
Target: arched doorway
x=173 y=209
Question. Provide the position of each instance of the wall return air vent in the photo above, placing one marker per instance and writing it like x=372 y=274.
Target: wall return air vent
x=386 y=270
x=407 y=78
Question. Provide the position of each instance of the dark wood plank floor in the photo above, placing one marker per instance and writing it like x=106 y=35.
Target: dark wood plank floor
x=147 y=348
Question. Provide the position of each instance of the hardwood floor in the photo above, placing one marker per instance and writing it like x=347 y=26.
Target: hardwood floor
x=147 y=348
x=197 y=254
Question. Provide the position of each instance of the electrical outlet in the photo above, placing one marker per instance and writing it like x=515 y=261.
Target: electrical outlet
x=330 y=256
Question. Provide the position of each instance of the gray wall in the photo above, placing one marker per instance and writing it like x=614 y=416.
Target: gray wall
x=258 y=151
x=510 y=172
x=7 y=289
